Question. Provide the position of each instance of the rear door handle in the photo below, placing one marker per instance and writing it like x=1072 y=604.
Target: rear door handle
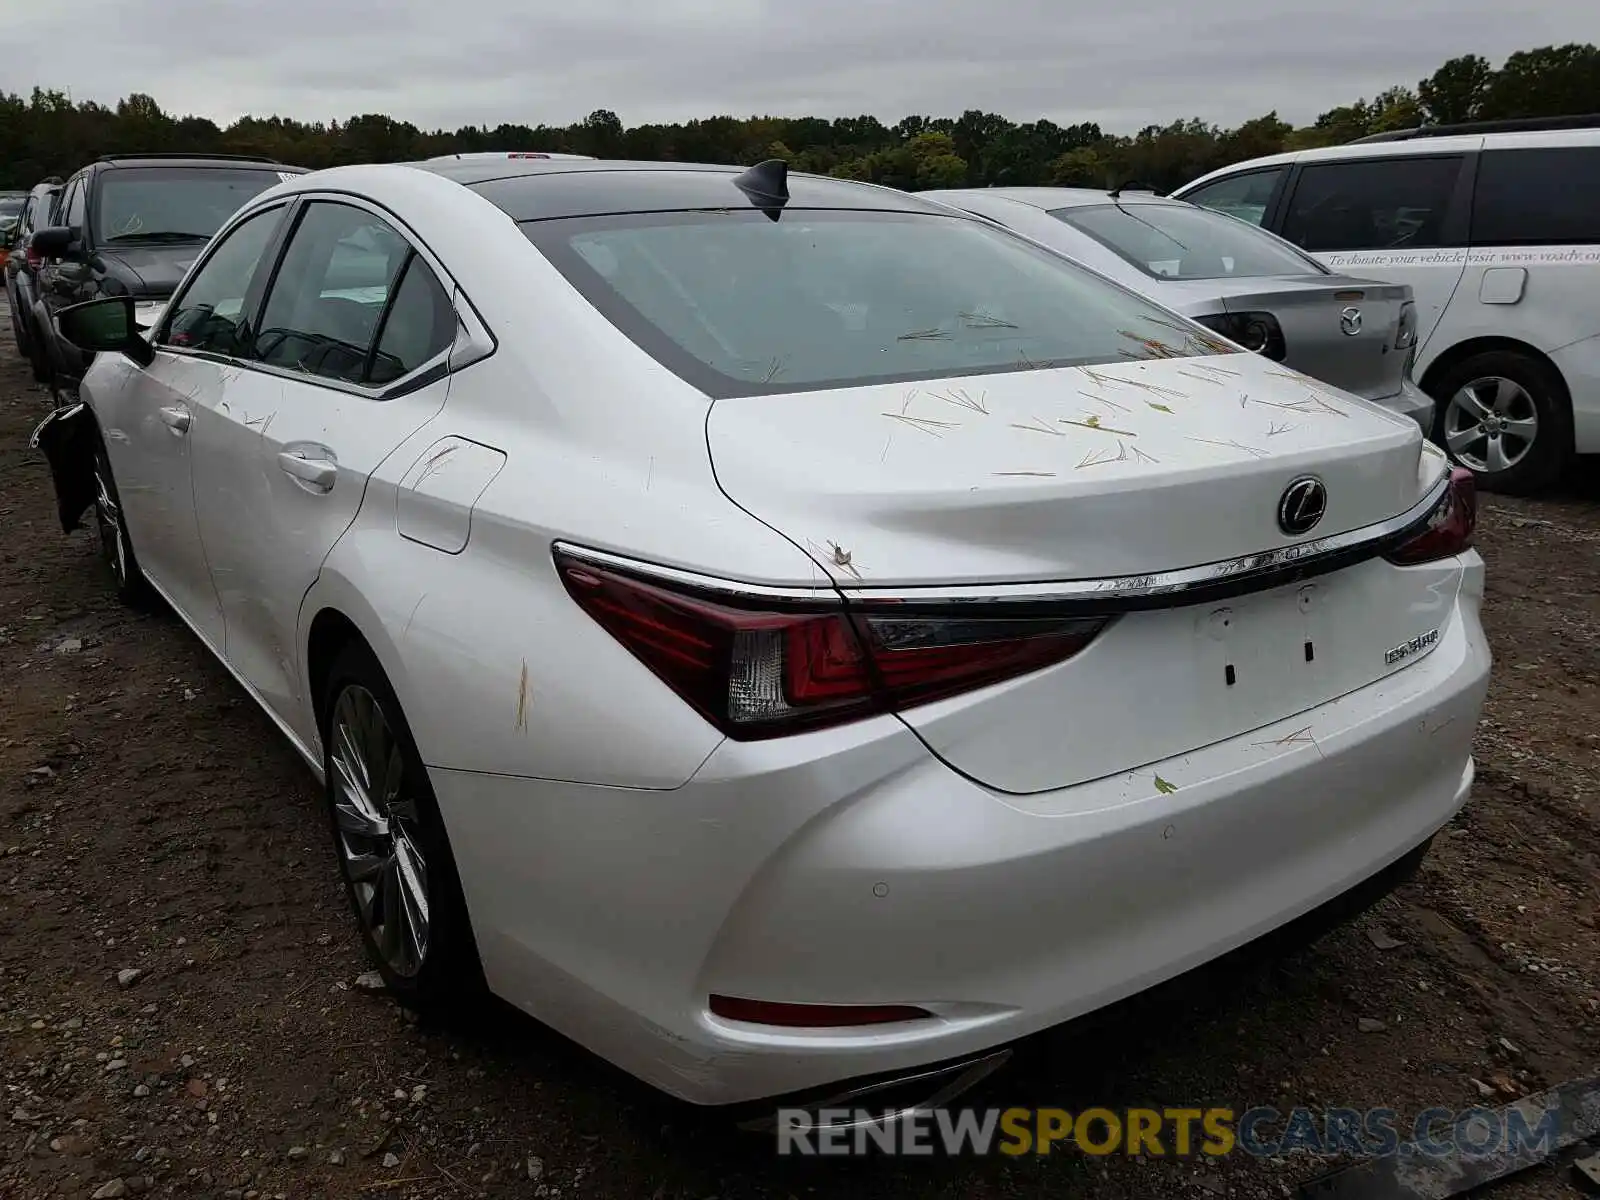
x=320 y=473
x=177 y=419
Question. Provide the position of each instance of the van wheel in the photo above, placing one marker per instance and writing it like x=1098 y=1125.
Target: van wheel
x=390 y=841
x=1507 y=417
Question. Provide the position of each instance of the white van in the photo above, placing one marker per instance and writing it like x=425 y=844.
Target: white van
x=1496 y=227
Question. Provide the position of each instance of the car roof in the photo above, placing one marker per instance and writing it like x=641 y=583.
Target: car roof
x=545 y=189
x=1047 y=198
x=1448 y=144
x=118 y=161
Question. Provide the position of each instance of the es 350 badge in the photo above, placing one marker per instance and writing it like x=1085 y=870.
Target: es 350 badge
x=1406 y=649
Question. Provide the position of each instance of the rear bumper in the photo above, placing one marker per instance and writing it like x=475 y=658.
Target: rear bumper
x=851 y=866
x=1411 y=401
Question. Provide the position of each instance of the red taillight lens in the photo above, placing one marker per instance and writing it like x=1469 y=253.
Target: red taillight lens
x=35 y=259
x=759 y=672
x=813 y=1016
x=1450 y=525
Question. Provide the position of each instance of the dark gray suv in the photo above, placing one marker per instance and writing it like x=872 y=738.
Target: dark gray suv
x=132 y=225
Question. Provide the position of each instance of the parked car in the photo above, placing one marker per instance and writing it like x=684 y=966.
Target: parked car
x=131 y=226
x=22 y=266
x=778 y=630
x=1245 y=284
x=10 y=208
x=1495 y=228
x=502 y=156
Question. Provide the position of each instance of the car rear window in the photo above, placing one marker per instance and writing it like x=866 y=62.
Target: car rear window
x=135 y=204
x=1172 y=242
x=738 y=304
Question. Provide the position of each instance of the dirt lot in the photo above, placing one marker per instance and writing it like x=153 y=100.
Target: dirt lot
x=152 y=821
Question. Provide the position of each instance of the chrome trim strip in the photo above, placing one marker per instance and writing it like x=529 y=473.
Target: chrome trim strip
x=1165 y=589
x=1302 y=558
x=730 y=588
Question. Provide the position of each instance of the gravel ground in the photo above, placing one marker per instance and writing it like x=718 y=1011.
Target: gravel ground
x=180 y=1011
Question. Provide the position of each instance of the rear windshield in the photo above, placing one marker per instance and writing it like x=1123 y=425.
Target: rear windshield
x=135 y=204
x=1170 y=241
x=737 y=304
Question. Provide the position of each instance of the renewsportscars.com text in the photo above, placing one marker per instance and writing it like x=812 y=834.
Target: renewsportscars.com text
x=1166 y=1132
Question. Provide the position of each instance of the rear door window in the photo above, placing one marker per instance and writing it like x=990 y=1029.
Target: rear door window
x=1372 y=204
x=331 y=291
x=1246 y=196
x=1538 y=197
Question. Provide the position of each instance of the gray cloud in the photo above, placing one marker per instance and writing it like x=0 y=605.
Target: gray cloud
x=454 y=62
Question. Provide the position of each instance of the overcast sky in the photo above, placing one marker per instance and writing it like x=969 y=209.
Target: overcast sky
x=1124 y=63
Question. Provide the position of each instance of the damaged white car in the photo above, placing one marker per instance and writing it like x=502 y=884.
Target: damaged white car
x=789 y=636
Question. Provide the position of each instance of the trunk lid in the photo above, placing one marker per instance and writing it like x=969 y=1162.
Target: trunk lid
x=1356 y=353
x=1072 y=473
x=1076 y=474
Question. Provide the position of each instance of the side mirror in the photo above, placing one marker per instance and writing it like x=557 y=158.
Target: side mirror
x=54 y=242
x=107 y=324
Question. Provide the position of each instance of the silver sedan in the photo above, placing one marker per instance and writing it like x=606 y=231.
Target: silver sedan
x=1248 y=285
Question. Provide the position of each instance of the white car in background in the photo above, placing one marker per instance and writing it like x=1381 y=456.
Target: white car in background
x=1247 y=285
x=1496 y=229
x=775 y=630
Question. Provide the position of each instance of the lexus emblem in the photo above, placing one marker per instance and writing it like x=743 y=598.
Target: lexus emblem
x=1350 y=321
x=1303 y=503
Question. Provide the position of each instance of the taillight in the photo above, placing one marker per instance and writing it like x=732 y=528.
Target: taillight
x=1450 y=525
x=1258 y=332
x=1405 y=337
x=35 y=259
x=760 y=669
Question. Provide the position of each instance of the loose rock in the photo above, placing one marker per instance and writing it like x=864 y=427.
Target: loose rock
x=110 y=1190
x=128 y=976
x=1371 y=1025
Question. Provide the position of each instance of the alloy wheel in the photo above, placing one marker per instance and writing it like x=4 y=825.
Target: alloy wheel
x=108 y=520
x=376 y=819
x=1490 y=424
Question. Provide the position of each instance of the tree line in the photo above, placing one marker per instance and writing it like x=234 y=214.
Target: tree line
x=48 y=134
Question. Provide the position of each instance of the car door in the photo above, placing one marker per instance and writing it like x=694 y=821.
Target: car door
x=1400 y=220
x=149 y=431
x=350 y=359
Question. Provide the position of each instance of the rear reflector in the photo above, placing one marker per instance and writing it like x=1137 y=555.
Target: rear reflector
x=813 y=1016
x=759 y=670
x=1450 y=526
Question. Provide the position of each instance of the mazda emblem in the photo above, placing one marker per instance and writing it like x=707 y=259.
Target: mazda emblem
x=1303 y=503
x=1350 y=321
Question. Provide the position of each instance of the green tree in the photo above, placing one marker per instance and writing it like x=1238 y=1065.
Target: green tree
x=1456 y=91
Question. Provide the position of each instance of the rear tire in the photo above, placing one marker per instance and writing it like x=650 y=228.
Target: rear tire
x=1507 y=417
x=116 y=549
x=390 y=840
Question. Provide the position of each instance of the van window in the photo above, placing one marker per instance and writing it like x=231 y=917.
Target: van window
x=1537 y=197
x=1245 y=196
x=1372 y=204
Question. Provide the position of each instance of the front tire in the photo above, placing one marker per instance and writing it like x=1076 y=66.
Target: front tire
x=390 y=840
x=116 y=550
x=1507 y=417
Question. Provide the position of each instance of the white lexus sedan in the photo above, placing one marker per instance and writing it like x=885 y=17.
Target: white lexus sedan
x=778 y=631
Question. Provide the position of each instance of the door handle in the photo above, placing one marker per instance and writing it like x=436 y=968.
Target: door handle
x=320 y=473
x=177 y=419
